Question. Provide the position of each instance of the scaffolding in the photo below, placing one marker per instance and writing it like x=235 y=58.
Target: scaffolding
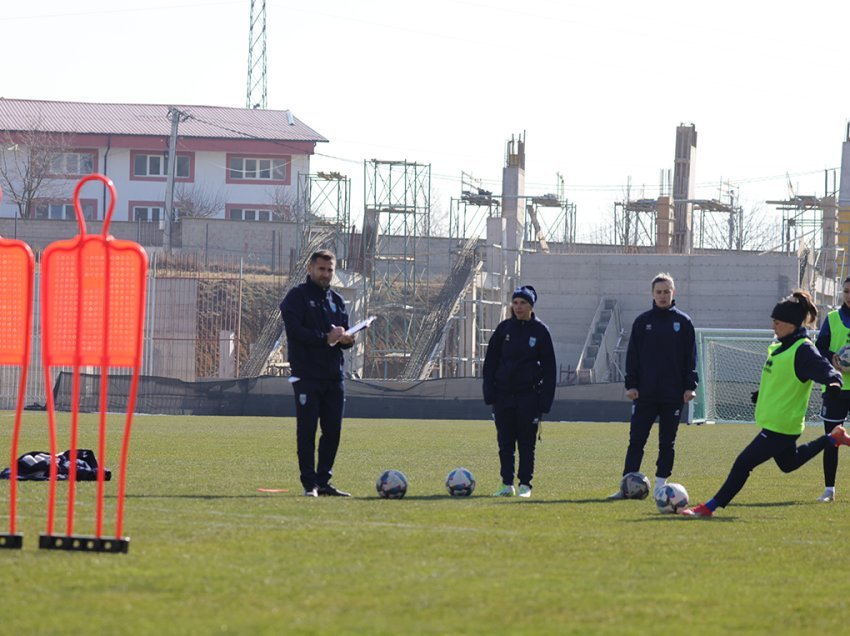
x=541 y=226
x=802 y=220
x=718 y=225
x=635 y=222
x=324 y=200
x=437 y=324
x=468 y=215
x=396 y=254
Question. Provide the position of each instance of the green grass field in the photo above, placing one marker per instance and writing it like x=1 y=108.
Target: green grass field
x=211 y=554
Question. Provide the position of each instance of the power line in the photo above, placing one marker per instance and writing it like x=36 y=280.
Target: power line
x=576 y=187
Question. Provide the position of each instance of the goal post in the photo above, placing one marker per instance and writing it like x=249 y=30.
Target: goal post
x=729 y=363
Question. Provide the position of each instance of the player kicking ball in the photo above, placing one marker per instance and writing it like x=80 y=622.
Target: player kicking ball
x=792 y=365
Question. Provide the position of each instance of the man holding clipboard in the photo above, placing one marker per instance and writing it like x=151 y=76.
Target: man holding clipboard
x=317 y=333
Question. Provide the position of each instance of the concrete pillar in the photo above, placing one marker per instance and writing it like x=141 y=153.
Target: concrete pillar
x=226 y=354
x=513 y=210
x=684 y=184
x=844 y=187
x=829 y=257
x=842 y=241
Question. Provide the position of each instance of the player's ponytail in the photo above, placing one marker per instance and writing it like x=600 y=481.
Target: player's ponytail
x=805 y=299
x=797 y=309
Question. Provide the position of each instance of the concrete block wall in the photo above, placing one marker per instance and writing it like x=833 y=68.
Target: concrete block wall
x=260 y=242
x=436 y=253
x=732 y=290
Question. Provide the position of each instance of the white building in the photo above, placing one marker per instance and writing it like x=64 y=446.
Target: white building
x=232 y=163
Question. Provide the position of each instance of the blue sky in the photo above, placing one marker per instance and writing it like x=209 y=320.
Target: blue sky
x=598 y=87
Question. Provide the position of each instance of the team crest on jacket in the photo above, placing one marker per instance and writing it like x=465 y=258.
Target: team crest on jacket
x=507 y=337
x=532 y=341
x=302 y=398
x=677 y=326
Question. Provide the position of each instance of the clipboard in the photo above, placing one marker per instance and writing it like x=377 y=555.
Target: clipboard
x=360 y=326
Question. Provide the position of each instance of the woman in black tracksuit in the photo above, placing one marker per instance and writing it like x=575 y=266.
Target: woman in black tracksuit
x=519 y=382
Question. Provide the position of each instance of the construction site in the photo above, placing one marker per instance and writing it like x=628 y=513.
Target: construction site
x=214 y=331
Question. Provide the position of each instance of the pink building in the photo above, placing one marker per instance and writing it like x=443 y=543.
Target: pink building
x=232 y=163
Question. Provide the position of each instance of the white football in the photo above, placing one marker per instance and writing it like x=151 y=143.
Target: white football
x=460 y=482
x=392 y=484
x=671 y=498
x=843 y=356
x=635 y=486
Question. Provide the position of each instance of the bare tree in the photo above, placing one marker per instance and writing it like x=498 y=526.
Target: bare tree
x=27 y=166
x=760 y=231
x=601 y=234
x=197 y=201
x=282 y=199
x=439 y=218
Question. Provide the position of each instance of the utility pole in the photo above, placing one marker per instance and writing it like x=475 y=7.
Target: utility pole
x=175 y=116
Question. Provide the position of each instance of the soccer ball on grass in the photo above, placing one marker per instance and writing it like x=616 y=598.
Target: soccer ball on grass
x=635 y=486
x=392 y=484
x=671 y=498
x=460 y=482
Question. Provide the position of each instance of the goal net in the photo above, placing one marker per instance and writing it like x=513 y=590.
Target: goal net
x=729 y=365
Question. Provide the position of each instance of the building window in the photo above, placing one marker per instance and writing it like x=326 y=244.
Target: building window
x=154 y=166
x=147 y=214
x=64 y=210
x=257 y=169
x=75 y=163
x=249 y=214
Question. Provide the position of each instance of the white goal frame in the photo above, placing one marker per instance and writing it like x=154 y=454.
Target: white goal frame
x=729 y=363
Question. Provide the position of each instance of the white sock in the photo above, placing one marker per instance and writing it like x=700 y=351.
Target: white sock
x=660 y=481
x=830 y=490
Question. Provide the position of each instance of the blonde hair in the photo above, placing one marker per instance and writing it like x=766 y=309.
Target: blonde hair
x=663 y=277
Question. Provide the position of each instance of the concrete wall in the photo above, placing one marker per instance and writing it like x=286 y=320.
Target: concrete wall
x=267 y=243
x=733 y=290
x=436 y=254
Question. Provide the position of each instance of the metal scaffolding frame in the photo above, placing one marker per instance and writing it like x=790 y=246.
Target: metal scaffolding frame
x=802 y=219
x=397 y=213
x=561 y=229
x=635 y=222
x=717 y=225
x=324 y=199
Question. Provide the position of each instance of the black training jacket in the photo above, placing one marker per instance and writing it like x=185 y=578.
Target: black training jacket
x=520 y=357
x=661 y=361
x=308 y=313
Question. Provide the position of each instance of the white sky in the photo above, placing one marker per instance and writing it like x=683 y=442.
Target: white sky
x=598 y=86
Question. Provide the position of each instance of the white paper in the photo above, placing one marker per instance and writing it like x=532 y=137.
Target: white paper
x=360 y=326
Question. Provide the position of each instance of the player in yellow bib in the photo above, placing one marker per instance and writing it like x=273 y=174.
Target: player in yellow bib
x=834 y=334
x=792 y=365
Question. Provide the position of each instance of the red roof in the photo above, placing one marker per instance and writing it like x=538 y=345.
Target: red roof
x=209 y=122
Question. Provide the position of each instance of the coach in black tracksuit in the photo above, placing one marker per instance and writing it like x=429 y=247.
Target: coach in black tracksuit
x=661 y=377
x=519 y=382
x=316 y=320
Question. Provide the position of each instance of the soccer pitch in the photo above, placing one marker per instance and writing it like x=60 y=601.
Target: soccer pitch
x=211 y=554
